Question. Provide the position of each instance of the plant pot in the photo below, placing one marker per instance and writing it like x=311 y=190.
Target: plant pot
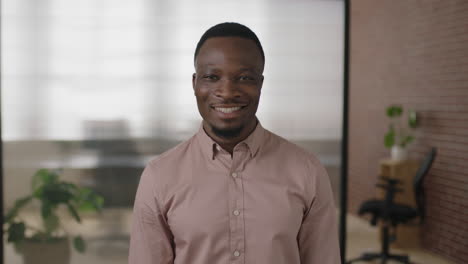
x=55 y=252
x=398 y=153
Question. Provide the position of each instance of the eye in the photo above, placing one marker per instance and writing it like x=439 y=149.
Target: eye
x=210 y=77
x=246 y=78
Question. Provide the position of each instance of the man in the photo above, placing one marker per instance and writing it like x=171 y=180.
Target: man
x=235 y=192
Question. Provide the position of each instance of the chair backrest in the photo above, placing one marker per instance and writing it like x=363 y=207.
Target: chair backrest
x=419 y=179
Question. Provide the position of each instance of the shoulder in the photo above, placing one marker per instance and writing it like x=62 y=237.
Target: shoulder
x=300 y=165
x=162 y=169
x=172 y=156
x=169 y=163
x=296 y=158
x=289 y=150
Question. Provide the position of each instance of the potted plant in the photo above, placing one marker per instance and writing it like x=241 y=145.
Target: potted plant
x=399 y=136
x=49 y=243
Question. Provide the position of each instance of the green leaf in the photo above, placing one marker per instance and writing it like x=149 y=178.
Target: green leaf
x=46 y=209
x=83 y=194
x=394 y=111
x=98 y=202
x=74 y=213
x=389 y=111
x=57 y=193
x=16 y=232
x=19 y=203
x=43 y=176
x=71 y=187
x=406 y=140
x=37 y=178
x=79 y=244
x=389 y=139
x=51 y=223
x=38 y=192
x=412 y=119
x=88 y=200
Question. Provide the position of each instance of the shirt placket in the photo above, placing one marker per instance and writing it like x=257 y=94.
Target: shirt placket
x=236 y=208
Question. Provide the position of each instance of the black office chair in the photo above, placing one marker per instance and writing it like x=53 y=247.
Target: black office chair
x=391 y=214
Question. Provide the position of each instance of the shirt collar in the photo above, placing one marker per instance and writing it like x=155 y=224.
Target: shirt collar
x=253 y=141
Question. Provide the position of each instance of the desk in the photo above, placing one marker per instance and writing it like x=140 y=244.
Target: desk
x=407 y=235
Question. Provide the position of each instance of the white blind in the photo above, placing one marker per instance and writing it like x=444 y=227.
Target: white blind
x=69 y=65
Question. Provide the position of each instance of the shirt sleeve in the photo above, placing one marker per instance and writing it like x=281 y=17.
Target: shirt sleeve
x=151 y=238
x=318 y=235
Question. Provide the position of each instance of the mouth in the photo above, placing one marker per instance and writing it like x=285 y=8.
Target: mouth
x=228 y=111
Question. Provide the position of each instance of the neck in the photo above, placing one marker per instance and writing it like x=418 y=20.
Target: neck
x=228 y=144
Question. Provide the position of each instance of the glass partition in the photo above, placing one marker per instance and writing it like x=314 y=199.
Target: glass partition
x=97 y=88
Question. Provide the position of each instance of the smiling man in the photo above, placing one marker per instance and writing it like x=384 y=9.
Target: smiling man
x=235 y=192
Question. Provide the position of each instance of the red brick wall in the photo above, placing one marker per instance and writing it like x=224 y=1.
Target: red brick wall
x=414 y=53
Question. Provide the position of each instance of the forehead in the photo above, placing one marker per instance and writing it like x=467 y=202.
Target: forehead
x=229 y=51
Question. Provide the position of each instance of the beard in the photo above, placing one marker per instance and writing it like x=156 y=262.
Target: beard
x=227 y=133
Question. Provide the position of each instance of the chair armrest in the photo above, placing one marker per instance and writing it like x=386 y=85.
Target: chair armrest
x=389 y=187
x=390 y=180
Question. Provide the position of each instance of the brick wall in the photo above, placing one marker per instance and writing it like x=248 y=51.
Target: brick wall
x=414 y=53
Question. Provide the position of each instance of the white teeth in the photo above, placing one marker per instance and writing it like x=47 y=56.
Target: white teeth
x=227 y=110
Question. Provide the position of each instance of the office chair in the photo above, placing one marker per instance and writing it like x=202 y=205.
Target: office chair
x=391 y=214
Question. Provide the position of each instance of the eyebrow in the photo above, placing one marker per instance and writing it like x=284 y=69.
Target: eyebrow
x=241 y=69
x=247 y=69
x=251 y=70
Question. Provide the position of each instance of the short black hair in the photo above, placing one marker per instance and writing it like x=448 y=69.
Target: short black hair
x=229 y=29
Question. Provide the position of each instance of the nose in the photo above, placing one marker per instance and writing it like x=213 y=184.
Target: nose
x=227 y=89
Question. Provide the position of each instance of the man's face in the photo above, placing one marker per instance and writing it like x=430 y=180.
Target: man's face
x=227 y=84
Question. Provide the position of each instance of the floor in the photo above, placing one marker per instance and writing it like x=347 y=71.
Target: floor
x=362 y=237
x=107 y=237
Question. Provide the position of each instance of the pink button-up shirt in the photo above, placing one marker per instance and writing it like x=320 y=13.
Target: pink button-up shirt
x=270 y=203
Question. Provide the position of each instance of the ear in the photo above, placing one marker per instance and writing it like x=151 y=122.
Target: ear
x=194 y=77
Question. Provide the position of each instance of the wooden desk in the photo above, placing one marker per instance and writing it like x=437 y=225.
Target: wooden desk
x=407 y=235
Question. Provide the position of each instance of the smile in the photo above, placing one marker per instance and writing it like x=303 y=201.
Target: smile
x=228 y=110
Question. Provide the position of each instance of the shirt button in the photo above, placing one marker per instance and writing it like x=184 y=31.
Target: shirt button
x=236 y=212
x=236 y=253
x=234 y=175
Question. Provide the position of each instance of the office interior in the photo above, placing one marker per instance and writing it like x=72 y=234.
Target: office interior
x=98 y=88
